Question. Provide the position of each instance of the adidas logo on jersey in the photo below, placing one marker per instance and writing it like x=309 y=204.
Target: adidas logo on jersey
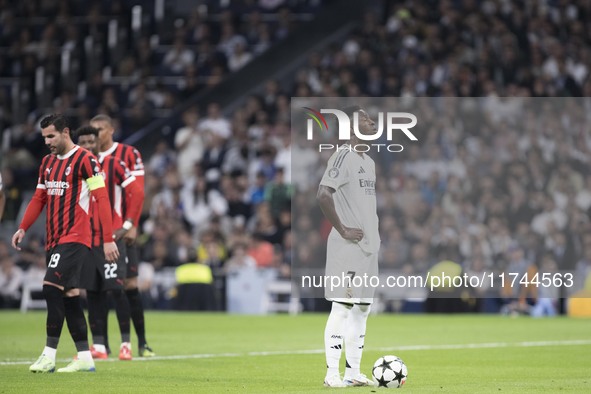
x=361 y=170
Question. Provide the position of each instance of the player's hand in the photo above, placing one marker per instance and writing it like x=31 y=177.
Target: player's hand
x=17 y=238
x=111 y=251
x=130 y=236
x=118 y=234
x=352 y=234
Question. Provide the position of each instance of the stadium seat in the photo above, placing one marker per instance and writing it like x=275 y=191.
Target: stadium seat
x=30 y=298
x=279 y=298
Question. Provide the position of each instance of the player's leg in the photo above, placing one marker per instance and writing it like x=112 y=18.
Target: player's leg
x=333 y=342
x=55 y=321
x=63 y=270
x=356 y=325
x=135 y=301
x=91 y=279
x=97 y=310
x=114 y=286
x=354 y=343
x=123 y=317
x=79 y=332
x=107 y=304
x=334 y=332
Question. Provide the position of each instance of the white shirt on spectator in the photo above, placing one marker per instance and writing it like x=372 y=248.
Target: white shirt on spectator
x=283 y=160
x=219 y=126
x=11 y=281
x=197 y=211
x=540 y=222
x=178 y=59
x=191 y=154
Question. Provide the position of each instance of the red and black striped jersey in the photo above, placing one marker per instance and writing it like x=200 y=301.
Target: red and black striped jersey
x=133 y=160
x=119 y=182
x=130 y=156
x=63 y=186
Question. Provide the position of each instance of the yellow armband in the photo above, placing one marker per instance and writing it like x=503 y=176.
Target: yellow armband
x=95 y=182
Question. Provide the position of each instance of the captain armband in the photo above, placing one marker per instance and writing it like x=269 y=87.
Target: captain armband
x=95 y=182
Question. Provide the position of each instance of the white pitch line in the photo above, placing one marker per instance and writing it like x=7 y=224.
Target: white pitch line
x=489 y=345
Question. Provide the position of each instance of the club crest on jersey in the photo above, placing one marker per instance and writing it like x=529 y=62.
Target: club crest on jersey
x=68 y=171
x=333 y=172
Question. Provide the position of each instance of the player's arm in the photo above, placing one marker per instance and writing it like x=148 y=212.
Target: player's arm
x=326 y=202
x=34 y=209
x=133 y=203
x=96 y=184
x=137 y=168
x=132 y=209
x=90 y=171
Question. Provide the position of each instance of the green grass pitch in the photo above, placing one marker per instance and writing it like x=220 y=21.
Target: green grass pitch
x=219 y=353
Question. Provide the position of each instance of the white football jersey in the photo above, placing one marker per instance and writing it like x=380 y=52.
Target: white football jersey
x=354 y=179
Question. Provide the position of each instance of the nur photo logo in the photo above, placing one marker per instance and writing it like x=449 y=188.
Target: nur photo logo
x=388 y=122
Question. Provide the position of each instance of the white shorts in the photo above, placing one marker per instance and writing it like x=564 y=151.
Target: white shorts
x=348 y=269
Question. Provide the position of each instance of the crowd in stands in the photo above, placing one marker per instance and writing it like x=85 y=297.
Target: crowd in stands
x=123 y=58
x=510 y=192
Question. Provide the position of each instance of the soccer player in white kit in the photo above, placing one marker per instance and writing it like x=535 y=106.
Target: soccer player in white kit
x=347 y=198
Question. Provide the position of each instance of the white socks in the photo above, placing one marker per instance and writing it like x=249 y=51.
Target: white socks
x=85 y=356
x=49 y=352
x=333 y=336
x=355 y=338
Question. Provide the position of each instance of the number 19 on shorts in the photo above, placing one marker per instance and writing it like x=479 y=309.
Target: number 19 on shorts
x=54 y=260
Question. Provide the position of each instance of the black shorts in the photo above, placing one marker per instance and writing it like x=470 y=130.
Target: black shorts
x=99 y=275
x=64 y=264
x=133 y=260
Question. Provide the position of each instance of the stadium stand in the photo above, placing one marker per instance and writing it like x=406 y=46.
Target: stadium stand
x=146 y=63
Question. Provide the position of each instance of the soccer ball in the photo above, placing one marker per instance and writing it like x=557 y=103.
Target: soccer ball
x=389 y=372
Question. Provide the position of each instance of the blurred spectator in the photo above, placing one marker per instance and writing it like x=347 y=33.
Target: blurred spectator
x=239 y=56
x=240 y=259
x=148 y=292
x=201 y=203
x=215 y=123
x=11 y=280
x=189 y=144
x=278 y=194
x=256 y=193
x=162 y=159
x=179 y=57
x=261 y=251
x=546 y=303
x=212 y=251
x=194 y=287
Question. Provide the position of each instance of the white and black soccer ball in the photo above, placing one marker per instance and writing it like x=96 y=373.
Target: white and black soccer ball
x=389 y=372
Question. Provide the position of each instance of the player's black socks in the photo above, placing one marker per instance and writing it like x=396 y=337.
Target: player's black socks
x=76 y=322
x=137 y=315
x=96 y=311
x=55 y=314
x=123 y=314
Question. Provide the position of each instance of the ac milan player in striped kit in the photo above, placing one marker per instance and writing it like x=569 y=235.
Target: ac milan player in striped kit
x=68 y=178
x=133 y=159
x=98 y=277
